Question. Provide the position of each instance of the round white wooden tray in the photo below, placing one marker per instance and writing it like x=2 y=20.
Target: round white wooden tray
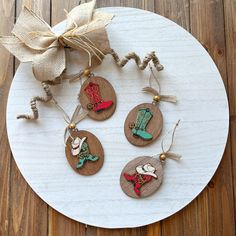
x=189 y=73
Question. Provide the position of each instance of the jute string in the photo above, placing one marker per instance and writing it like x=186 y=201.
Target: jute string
x=141 y=64
x=166 y=153
x=157 y=92
x=33 y=103
x=133 y=56
x=75 y=119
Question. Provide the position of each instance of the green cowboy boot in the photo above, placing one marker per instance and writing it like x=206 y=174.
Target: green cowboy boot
x=138 y=121
x=88 y=157
x=143 y=117
x=85 y=156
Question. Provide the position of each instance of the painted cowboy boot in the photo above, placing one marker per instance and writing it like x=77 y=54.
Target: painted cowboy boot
x=138 y=181
x=92 y=91
x=144 y=174
x=143 y=117
x=81 y=149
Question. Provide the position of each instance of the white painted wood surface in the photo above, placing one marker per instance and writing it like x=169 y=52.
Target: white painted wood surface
x=189 y=73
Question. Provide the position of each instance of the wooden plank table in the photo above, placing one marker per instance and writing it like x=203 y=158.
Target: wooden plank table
x=212 y=213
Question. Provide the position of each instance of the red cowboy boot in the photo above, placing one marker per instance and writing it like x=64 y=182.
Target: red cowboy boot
x=138 y=181
x=92 y=91
x=137 y=188
x=133 y=178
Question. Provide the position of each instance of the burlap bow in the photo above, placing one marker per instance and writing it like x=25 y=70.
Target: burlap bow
x=34 y=41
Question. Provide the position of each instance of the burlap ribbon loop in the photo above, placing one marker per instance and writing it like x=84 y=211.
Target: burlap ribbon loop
x=33 y=40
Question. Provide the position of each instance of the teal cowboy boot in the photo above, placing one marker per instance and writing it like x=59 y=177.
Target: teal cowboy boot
x=138 y=121
x=88 y=157
x=85 y=156
x=143 y=117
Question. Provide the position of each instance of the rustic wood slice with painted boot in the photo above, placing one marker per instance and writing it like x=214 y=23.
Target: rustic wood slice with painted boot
x=98 y=96
x=84 y=152
x=141 y=177
x=143 y=124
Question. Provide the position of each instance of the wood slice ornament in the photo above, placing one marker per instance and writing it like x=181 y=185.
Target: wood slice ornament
x=144 y=123
x=98 y=96
x=84 y=152
x=143 y=176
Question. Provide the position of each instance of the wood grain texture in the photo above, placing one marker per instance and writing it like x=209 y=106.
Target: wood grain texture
x=58 y=9
x=7 y=11
x=26 y=208
x=59 y=224
x=179 y=12
x=220 y=192
x=28 y=213
x=152 y=229
x=141 y=231
x=195 y=218
x=230 y=37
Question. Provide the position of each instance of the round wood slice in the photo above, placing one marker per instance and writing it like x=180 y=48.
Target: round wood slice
x=148 y=188
x=95 y=148
x=98 y=200
x=154 y=126
x=107 y=93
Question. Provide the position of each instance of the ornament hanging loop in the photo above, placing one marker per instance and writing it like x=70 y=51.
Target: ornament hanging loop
x=166 y=153
x=157 y=97
x=83 y=73
x=76 y=118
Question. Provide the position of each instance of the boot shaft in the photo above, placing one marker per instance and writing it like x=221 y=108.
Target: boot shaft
x=92 y=91
x=144 y=116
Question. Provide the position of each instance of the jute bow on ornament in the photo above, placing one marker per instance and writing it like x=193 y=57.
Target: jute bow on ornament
x=34 y=41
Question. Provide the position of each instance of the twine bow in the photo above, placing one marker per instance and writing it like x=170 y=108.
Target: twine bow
x=76 y=118
x=156 y=93
x=34 y=41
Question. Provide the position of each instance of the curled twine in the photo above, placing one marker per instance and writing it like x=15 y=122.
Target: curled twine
x=33 y=103
x=166 y=153
x=142 y=65
x=76 y=118
x=120 y=62
x=156 y=93
x=133 y=56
